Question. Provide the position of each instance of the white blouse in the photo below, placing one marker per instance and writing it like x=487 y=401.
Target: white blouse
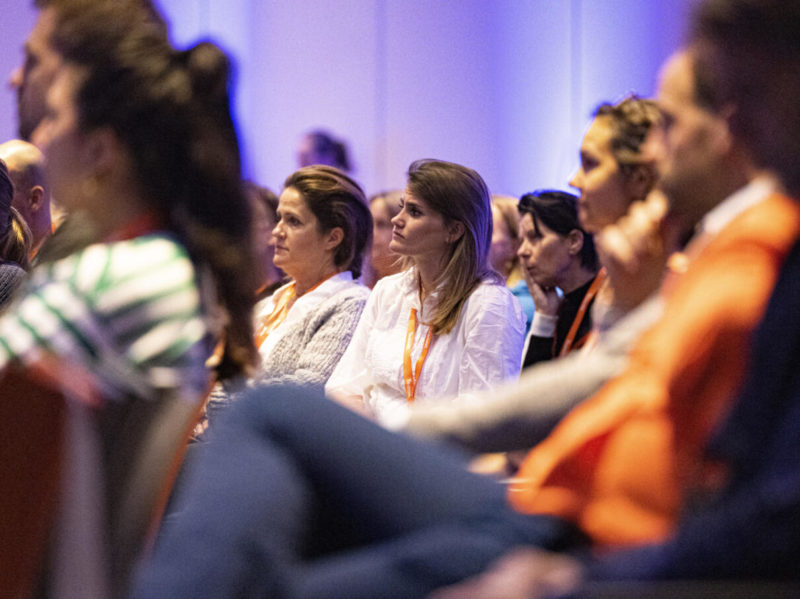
x=483 y=349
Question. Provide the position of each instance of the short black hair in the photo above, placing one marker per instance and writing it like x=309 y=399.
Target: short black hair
x=558 y=211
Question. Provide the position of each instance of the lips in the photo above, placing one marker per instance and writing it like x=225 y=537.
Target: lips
x=396 y=234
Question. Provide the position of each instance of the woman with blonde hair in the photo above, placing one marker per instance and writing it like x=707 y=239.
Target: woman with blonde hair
x=446 y=325
x=503 y=251
x=382 y=260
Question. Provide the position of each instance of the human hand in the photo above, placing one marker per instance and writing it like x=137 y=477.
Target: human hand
x=523 y=573
x=545 y=299
x=634 y=250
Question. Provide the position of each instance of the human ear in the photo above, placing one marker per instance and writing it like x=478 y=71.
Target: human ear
x=36 y=197
x=640 y=181
x=574 y=242
x=455 y=230
x=103 y=152
x=335 y=237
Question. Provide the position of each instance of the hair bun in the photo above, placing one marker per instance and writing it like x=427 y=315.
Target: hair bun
x=209 y=69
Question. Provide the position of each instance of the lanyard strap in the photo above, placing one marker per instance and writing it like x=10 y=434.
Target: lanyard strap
x=281 y=310
x=587 y=299
x=411 y=378
x=273 y=320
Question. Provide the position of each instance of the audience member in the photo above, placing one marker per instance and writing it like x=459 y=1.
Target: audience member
x=171 y=210
x=503 y=251
x=558 y=257
x=31 y=193
x=15 y=241
x=322 y=232
x=383 y=261
x=473 y=327
x=264 y=209
x=320 y=147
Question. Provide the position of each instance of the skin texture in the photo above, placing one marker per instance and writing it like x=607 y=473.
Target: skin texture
x=604 y=193
x=694 y=140
x=383 y=260
x=420 y=233
x=303 y=251
x=503 y=250
x=32 y=79
x=86 y=168
x=59 y=138
x=263 y=223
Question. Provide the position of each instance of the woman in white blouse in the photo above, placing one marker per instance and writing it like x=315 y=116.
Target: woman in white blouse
x=446 y=326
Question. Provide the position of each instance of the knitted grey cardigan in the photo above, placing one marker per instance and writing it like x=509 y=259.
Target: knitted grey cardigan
x=309 y=349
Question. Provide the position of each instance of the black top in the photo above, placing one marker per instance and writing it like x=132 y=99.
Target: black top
x=547 y=348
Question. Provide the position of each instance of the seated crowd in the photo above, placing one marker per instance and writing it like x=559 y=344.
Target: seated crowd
x=628 y=350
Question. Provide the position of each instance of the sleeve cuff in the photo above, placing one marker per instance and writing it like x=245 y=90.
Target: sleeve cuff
x=543 y=325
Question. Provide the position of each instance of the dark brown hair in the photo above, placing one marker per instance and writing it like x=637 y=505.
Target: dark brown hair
x=336 y=200
x=170 y=109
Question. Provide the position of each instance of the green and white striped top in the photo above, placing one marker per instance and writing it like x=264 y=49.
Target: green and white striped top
x=128 y=311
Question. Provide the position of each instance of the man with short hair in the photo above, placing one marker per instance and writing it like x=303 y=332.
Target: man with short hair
x=747 y=526
x=31 y=193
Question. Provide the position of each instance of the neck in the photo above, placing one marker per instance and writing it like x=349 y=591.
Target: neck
x=307 y=281
x=428 y=271
x=576 y=277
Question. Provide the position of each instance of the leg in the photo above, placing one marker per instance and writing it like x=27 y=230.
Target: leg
x=286 y=464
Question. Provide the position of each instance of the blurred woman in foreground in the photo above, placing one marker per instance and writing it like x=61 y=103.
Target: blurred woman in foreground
x=139 y=138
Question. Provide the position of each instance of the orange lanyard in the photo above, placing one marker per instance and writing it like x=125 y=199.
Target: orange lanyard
x=281 y=310
x=279 y=313
x=587 y=299
x=411 y=378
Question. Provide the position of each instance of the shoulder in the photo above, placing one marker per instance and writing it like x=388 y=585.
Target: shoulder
x=774 y=221
x=351 y=292
x=401 y=282
x=125 y=272
x=488 y=291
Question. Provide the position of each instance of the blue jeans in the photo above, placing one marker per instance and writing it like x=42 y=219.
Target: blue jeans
x=295 y=496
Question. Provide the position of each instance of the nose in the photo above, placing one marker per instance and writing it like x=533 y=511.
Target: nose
x=523 y=251
x=396 y=220
x=15 y=78
x=577 y=180
x=276 y=232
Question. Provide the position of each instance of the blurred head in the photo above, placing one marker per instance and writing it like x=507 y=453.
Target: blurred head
x=614 y=170
x=31 y=193
x=32 y=79
x=553 y=241
x=505 y=235
x=751 y=50
x=264 y=210
x=335 y=205
x=700 y=165
x=320 y=147
x=384 y=207
x=130 y=121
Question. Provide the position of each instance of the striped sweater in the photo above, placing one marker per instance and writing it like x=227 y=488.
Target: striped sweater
x=129 y=312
